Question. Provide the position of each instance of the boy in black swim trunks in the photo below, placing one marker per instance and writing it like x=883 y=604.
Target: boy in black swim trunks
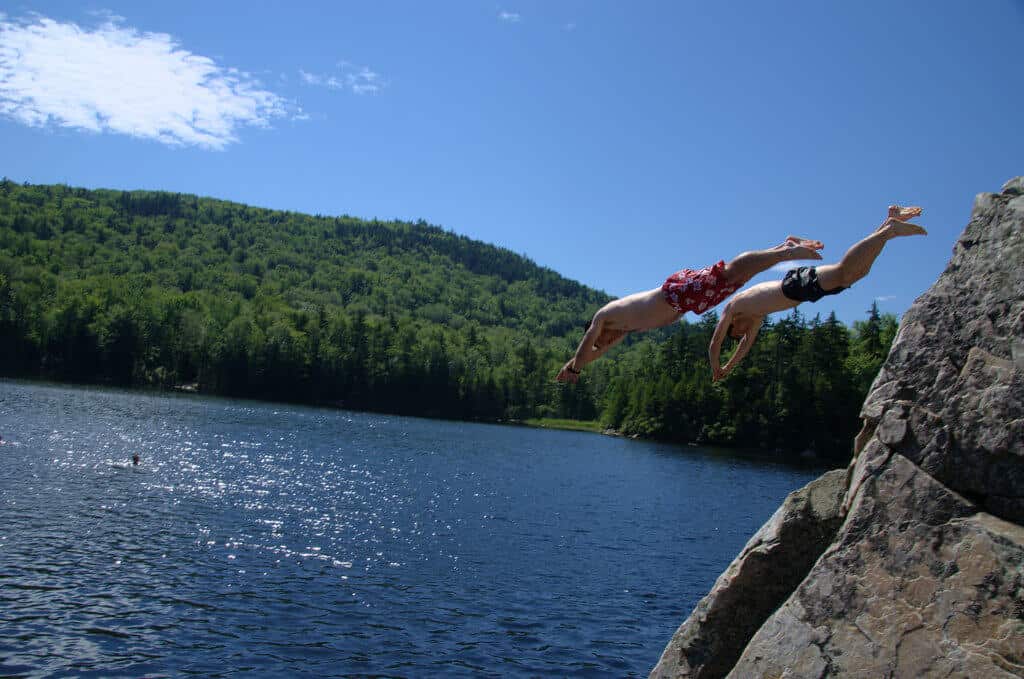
x=742 y=316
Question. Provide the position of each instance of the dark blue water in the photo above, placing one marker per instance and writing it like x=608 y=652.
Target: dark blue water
x=267 y=540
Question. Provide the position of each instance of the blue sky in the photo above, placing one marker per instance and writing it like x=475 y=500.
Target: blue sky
x=613 y=142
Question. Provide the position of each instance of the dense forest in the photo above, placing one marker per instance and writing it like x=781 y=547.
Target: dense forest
x=160 y=289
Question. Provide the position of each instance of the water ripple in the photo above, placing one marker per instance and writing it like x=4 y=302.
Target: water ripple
x=262 y=540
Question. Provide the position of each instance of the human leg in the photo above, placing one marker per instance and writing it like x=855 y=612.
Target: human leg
x=746 y=265
x=857 y=261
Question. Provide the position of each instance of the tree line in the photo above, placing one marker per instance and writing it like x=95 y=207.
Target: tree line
x=800 y=387
x=161 y=289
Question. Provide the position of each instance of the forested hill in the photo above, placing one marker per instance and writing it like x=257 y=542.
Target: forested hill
x=163 y=289
x=190 y=243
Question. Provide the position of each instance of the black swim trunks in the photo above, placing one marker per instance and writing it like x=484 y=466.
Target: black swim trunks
x=801 y=284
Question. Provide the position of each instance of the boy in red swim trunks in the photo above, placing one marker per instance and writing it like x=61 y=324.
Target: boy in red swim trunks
x=742 y=316
x=687 y=290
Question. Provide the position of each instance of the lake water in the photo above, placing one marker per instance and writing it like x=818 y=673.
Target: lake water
x=268 y=540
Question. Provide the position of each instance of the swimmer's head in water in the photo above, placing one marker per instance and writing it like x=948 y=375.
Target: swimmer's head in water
x=135 y=458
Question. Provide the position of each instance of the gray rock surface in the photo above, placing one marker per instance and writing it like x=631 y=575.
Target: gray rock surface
x=765 y=573
x=950 y=396
x=925 y=576
x=917 y=584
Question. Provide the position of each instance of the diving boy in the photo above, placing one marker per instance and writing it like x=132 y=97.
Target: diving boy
x=741 y=319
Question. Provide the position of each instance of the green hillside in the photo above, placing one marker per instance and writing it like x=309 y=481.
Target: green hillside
x=153 y=288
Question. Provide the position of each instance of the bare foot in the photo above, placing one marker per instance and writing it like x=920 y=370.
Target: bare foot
x=806 y=242
x=901 y=215
x=904 y=213
x=795 y=251
x=895 y=228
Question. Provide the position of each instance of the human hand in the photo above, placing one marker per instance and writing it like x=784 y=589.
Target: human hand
x=719 y=373
x=567 y=375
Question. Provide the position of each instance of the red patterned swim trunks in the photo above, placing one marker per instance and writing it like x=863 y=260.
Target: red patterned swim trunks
x=697 y=290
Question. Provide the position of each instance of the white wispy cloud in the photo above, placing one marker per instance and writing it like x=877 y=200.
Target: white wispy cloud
x=885 y=298
x=114 y=78
x=351 y=77
x=314 y=79
x=511 y=17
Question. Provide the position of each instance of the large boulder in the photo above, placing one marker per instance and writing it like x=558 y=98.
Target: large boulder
x=950 y=396
x=757 y=582
x=925 y=575
x=919 y=583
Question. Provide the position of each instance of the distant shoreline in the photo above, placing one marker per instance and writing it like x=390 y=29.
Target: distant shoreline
x=583 y=426
x=568 y=425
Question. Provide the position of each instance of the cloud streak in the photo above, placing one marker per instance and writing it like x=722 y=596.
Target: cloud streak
x=350 y=77
x=115 y=79
x=510 y=17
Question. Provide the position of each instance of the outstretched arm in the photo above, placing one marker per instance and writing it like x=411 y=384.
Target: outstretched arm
x=742 y=349
x=589 y=350
x=715 y=349
x=857 y=261
x=607 y=339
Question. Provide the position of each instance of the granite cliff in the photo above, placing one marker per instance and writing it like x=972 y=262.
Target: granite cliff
x=910 y=563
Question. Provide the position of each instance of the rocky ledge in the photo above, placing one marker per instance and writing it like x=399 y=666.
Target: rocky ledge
x=911 y=562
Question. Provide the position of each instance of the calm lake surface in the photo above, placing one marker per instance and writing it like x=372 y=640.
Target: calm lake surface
x=268 y=540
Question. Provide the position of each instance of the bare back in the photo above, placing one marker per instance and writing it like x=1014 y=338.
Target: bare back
x=760 y=300
x=639 y=311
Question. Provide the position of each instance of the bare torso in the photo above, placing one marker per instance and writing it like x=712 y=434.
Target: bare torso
x=639 y=311
x=760 y=300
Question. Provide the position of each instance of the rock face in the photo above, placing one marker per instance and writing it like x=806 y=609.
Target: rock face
x=921 y=569
x=757 y=582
